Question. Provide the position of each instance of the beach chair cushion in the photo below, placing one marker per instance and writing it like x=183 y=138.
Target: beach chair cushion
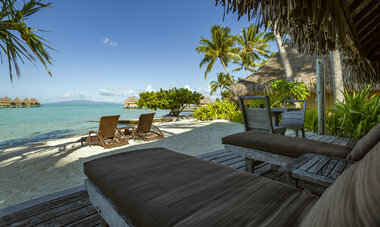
x=353 y=199
x=285 y=145
x=365 y=144
x=159 y=187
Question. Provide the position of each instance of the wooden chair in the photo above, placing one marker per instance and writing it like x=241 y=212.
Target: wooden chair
x=294 y=119
x=259 y=119
x=146 y=130
x=108 y=134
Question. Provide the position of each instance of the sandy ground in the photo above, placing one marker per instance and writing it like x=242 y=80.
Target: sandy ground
x=36 y=170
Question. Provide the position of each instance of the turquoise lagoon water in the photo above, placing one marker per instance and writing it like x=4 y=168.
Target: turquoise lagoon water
x=20 y=126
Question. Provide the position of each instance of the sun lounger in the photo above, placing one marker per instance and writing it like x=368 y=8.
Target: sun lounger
x=281 y=150
x=146 y=130
x=108 y=134
x=159 y=187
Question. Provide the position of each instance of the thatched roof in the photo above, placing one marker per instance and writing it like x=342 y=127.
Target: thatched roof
x=320 y=26
x=304 y=71
x=34 y=100
x=131 y=100
x=26 y=100
x=17 y=100
x=6 y=98
x=206 y=100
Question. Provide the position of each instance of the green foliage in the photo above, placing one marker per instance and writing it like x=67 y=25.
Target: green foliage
x=289 y=90
x=221 y=46
x=356 y=116
x=274 y=101
x=311 y=120
x=222 y=83
x=174 y=99
x=219 y=110
x=17 y=39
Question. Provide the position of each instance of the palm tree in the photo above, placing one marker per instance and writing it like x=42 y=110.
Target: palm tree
x=255 y=43
x=223 y=82
x=283 y=55
x=221 y=46
x=245 y=62
x=338 y=75
x=27 y=45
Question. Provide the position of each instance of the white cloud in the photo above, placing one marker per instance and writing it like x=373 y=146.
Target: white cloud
x=188 y=87
x=149 y=88
x=116 y=92
x=76 y=95
x=108 y=42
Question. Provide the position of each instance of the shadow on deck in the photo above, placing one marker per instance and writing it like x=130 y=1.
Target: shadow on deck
x=73 y=208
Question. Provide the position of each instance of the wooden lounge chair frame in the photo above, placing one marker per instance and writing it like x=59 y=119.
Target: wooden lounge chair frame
x=259 y=119
x=108 y=135
x=146 y=130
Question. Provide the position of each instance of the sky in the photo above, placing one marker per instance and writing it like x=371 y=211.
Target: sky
x=109 y=50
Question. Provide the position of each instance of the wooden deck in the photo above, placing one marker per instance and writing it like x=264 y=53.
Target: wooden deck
x=76 y=210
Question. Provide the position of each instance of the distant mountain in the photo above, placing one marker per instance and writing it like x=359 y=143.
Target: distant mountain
x=80 y=102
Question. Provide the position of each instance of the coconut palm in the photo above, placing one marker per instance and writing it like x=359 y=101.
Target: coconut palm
x=245 y=62
x=221 y=46
x=255 y=43
x=17 y=39
x=223 y=82
x=283 y=55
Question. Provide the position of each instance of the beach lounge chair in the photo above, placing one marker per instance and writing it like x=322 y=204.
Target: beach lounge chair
x=259 y=119
x=108 y=134
x=294 y=119
x=146 y=130
x=281 y=150
x=182 y=190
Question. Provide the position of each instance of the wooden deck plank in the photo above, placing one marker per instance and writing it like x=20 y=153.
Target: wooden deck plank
x=53 y=213
x=71 y=217
x=215 y=156
x=92 y=220
x=225 y=158
x=41 y=208
x=231 y=161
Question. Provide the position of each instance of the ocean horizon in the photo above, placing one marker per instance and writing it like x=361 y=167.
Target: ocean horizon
x=23 y=126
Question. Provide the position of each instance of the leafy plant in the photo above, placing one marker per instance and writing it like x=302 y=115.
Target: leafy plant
x=17 y=39
x=274 y=101
x=219 y=110
x=174 y=99
x=356 y=116
x=311 y=120
x=289 y=90
x=222 y=83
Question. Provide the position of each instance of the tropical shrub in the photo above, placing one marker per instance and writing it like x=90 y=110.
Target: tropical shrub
x=173 y=99
x=219 y=110
x=356 y=116
x=283 y=89
x=311 y=120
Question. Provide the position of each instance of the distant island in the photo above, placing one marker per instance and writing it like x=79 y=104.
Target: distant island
x=79 y=102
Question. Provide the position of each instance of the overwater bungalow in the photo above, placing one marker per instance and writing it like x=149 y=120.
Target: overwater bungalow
x=205 y=102
x=131 y=103
x=6 y=102
x=26 y=102
x=16 y=103
x=303 y=67
x=34 y=102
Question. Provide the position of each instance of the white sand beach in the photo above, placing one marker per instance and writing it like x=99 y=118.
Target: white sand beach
x=28 y=172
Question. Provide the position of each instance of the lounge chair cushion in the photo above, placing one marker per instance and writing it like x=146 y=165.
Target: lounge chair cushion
x=285 y=145
x=159 y=187
x=365 y=144
x=353 y=199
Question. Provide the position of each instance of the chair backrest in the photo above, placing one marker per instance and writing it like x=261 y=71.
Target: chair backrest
x=108 y=125
x=145 y=122
x=295 y=118
x=258 y=119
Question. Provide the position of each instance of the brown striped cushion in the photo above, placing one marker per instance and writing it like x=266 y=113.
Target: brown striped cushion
x=285 y=145
x=353 y=199
x=159 y=187
x=365 y=144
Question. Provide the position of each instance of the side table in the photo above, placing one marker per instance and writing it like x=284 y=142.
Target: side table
x=315 y=172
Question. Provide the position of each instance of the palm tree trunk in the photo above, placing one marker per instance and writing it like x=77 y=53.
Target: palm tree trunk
x=246 y=70
x=336 y=66
x=283 y=55
x=225 y=68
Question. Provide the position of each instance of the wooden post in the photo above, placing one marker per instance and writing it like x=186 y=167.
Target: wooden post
x=321 y=95
x=336 y=67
